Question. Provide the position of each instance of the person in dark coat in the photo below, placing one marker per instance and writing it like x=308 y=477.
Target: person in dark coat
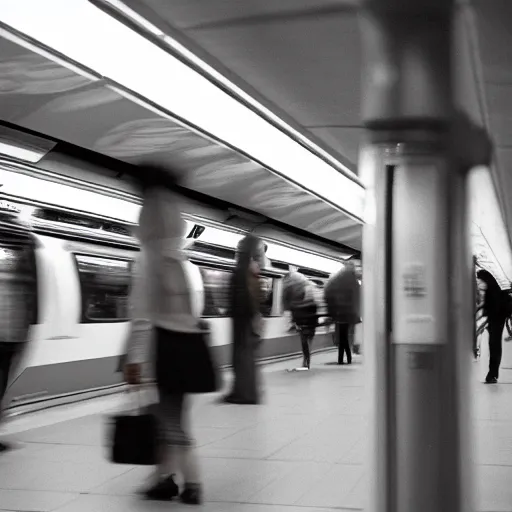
x=245 y=306
x=305 y=317
x=18 y=310
x=298 y=298
x=495 y=309
x=342 y=296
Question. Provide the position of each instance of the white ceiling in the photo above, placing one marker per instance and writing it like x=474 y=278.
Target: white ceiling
x=302 y=59
x=45 y=96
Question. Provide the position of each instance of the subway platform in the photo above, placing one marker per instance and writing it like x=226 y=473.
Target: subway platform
x=303 y=450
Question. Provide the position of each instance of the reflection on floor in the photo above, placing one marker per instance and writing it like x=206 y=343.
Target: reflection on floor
x=301 y=451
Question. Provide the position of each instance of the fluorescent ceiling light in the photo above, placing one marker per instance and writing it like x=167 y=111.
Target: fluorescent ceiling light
x=213 y=73
x=89 y=36
x=275 y=252
x=40 y=51
x=302 y=259
x=117 y=4
x=23 y=146
x=21 y=186
x=220 y=237
x=25 y=154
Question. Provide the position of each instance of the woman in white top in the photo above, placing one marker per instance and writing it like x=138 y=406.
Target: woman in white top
x=167 y=303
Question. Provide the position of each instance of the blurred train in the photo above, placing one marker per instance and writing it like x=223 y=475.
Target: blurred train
x=82 y=268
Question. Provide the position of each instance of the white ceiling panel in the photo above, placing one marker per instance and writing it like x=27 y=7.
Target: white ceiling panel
x=300 y=59
x=315 y=88
x=345 y=141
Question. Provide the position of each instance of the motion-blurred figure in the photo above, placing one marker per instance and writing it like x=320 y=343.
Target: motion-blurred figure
x=167 y=330
x=18 y=297
x=298 y=298
x=495 y=309
x=245 y=304
x=480 y=324
x=342 y=296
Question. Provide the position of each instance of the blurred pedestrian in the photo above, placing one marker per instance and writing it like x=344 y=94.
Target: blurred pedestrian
x=245 y=304
x=18 y=294
x=167 y=330
x=495 y=309
x=343 y=295
x=298 y=298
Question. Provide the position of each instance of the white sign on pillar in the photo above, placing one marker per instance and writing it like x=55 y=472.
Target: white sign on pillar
x=419 y=253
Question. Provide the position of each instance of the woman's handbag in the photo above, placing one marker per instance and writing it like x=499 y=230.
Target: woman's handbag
x=134 y=439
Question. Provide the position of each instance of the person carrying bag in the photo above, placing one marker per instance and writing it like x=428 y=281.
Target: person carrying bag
x=167 y=332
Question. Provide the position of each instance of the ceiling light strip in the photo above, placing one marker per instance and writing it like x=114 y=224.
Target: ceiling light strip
x=219 y=79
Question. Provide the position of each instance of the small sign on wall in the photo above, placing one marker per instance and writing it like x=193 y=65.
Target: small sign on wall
x=414 y=282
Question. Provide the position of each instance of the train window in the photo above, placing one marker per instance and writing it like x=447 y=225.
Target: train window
x=267 y=288
x=216 y=292
x=318 y=290
x=105 y=285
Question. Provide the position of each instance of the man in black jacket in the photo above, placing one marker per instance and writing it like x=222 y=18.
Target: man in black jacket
x=343 y=295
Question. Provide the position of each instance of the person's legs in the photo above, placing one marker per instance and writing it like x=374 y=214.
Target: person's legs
x=495 y=348
x=188 y=463
x=178 y=455
x=338 y=335
x=168 y=414
x=347 y=346
x=304 y=339
x=343 y=343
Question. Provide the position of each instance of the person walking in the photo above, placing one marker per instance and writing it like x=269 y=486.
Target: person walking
x=298 y=298
x=495 y=309
x=167 y=330
x=245 y=305
x=342 y=296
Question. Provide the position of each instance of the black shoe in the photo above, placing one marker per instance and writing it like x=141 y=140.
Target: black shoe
x=491 y=380
x=165 y=490
x=191 y=495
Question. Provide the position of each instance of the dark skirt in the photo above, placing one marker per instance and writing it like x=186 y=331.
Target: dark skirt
x=184 y=363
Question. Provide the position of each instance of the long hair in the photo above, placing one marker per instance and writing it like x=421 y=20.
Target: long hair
x=242 y=297
x=150 y=175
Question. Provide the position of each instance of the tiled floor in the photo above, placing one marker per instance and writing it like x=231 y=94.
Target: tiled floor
x=301 y=451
